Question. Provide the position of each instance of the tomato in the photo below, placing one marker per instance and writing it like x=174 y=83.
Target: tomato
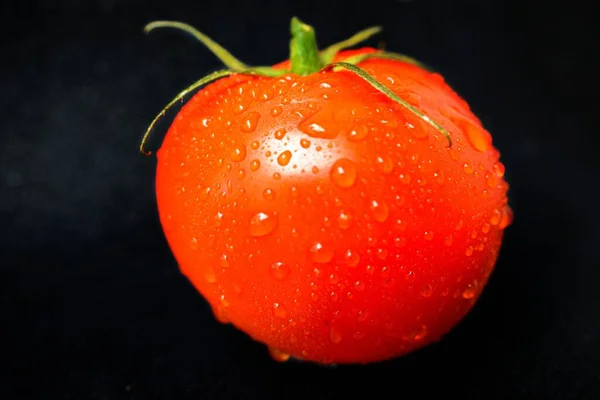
x=326 y=220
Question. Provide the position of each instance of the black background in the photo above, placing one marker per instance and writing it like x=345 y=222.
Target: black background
x=92 y=305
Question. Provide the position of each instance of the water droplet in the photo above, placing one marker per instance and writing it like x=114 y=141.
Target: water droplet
x=343 y=173
x=453 y=154
x=428 y=235
x=344 y=220
x=448 y=240
x=469 y=251
x=194 y=244
x=241 y=173
x=251 y=121
x=335 y=335
x=495 y=219
x=459 y=225
x=255 y=145
x=485 y=228
x=418 y=132
x=239 y=153
x=294 y=192
x=315 y=170
x=305 y=143
x=384 y=164
x=478 y=138
x=507 y=217
x=280 y=270
x=468 y=167
x=479 y=247
x=379 y=210
x=320 y=253
x=284 y=158
x=224 y=261
x=492 y=180
x=404 y=178
x=473 y=235
x=358 y=134
x=359 y=286
x=269 y=194
x=471 y=291
x=499 y=169
x=417 y=334
x=426 y=291
x=315 y=130
x=278 y=355
x=254 y=165
x=275 y=111
x=352 y=258
x=277 y=176
x=279 y=310
x=262 y=224
x=280 y=133
x=381 y=253
x=439 y=177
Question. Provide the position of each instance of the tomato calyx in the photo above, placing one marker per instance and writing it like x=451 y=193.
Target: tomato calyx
x=305 y=59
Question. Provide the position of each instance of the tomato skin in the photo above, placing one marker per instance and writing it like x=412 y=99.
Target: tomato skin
x=325 y=220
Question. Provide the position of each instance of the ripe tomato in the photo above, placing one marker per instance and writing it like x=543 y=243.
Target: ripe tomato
x=324 y=219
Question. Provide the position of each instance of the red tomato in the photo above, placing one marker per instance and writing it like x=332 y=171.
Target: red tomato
x=324 y=219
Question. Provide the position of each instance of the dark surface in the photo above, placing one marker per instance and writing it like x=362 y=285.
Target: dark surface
x=92 y=305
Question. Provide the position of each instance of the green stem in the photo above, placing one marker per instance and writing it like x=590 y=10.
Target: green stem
x=304 y=52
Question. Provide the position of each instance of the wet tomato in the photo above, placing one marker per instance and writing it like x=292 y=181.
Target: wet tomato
x=324 y=217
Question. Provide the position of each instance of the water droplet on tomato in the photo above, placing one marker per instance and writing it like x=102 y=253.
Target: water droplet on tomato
x=269 y=194
x=305 y=143
x=255 y=145
x=284 y=158
x=280 y=133
x=352 y=258
x=344 y=220
x=194 y=244
x=254 y=165
x=262 y=224
x=499 y=169
x=419 y=131
x=294 y=192
x=469 y=251
x=359 y=286
x=279 y=310
x=278 y=355
x=249 y=125
x=426 y=291
x=343 y=173
x=459 y=225
x=507 y=217
x=478 y=138
x=438 y=176
x=485 y=228
x=275 y=111
x=417 y=334
x=379 y=210
x=277 y=176
x=335 y=336
x=471 y=291
x=492 y=180
x=495 y=219
x=224 y=261
x=468 y=167
x=239 y=153
x=280 y=270
x=320 y=253
x=315 y=170
x=358 y=134
x=404 y=178
x=428 y=235
x=384 y=164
